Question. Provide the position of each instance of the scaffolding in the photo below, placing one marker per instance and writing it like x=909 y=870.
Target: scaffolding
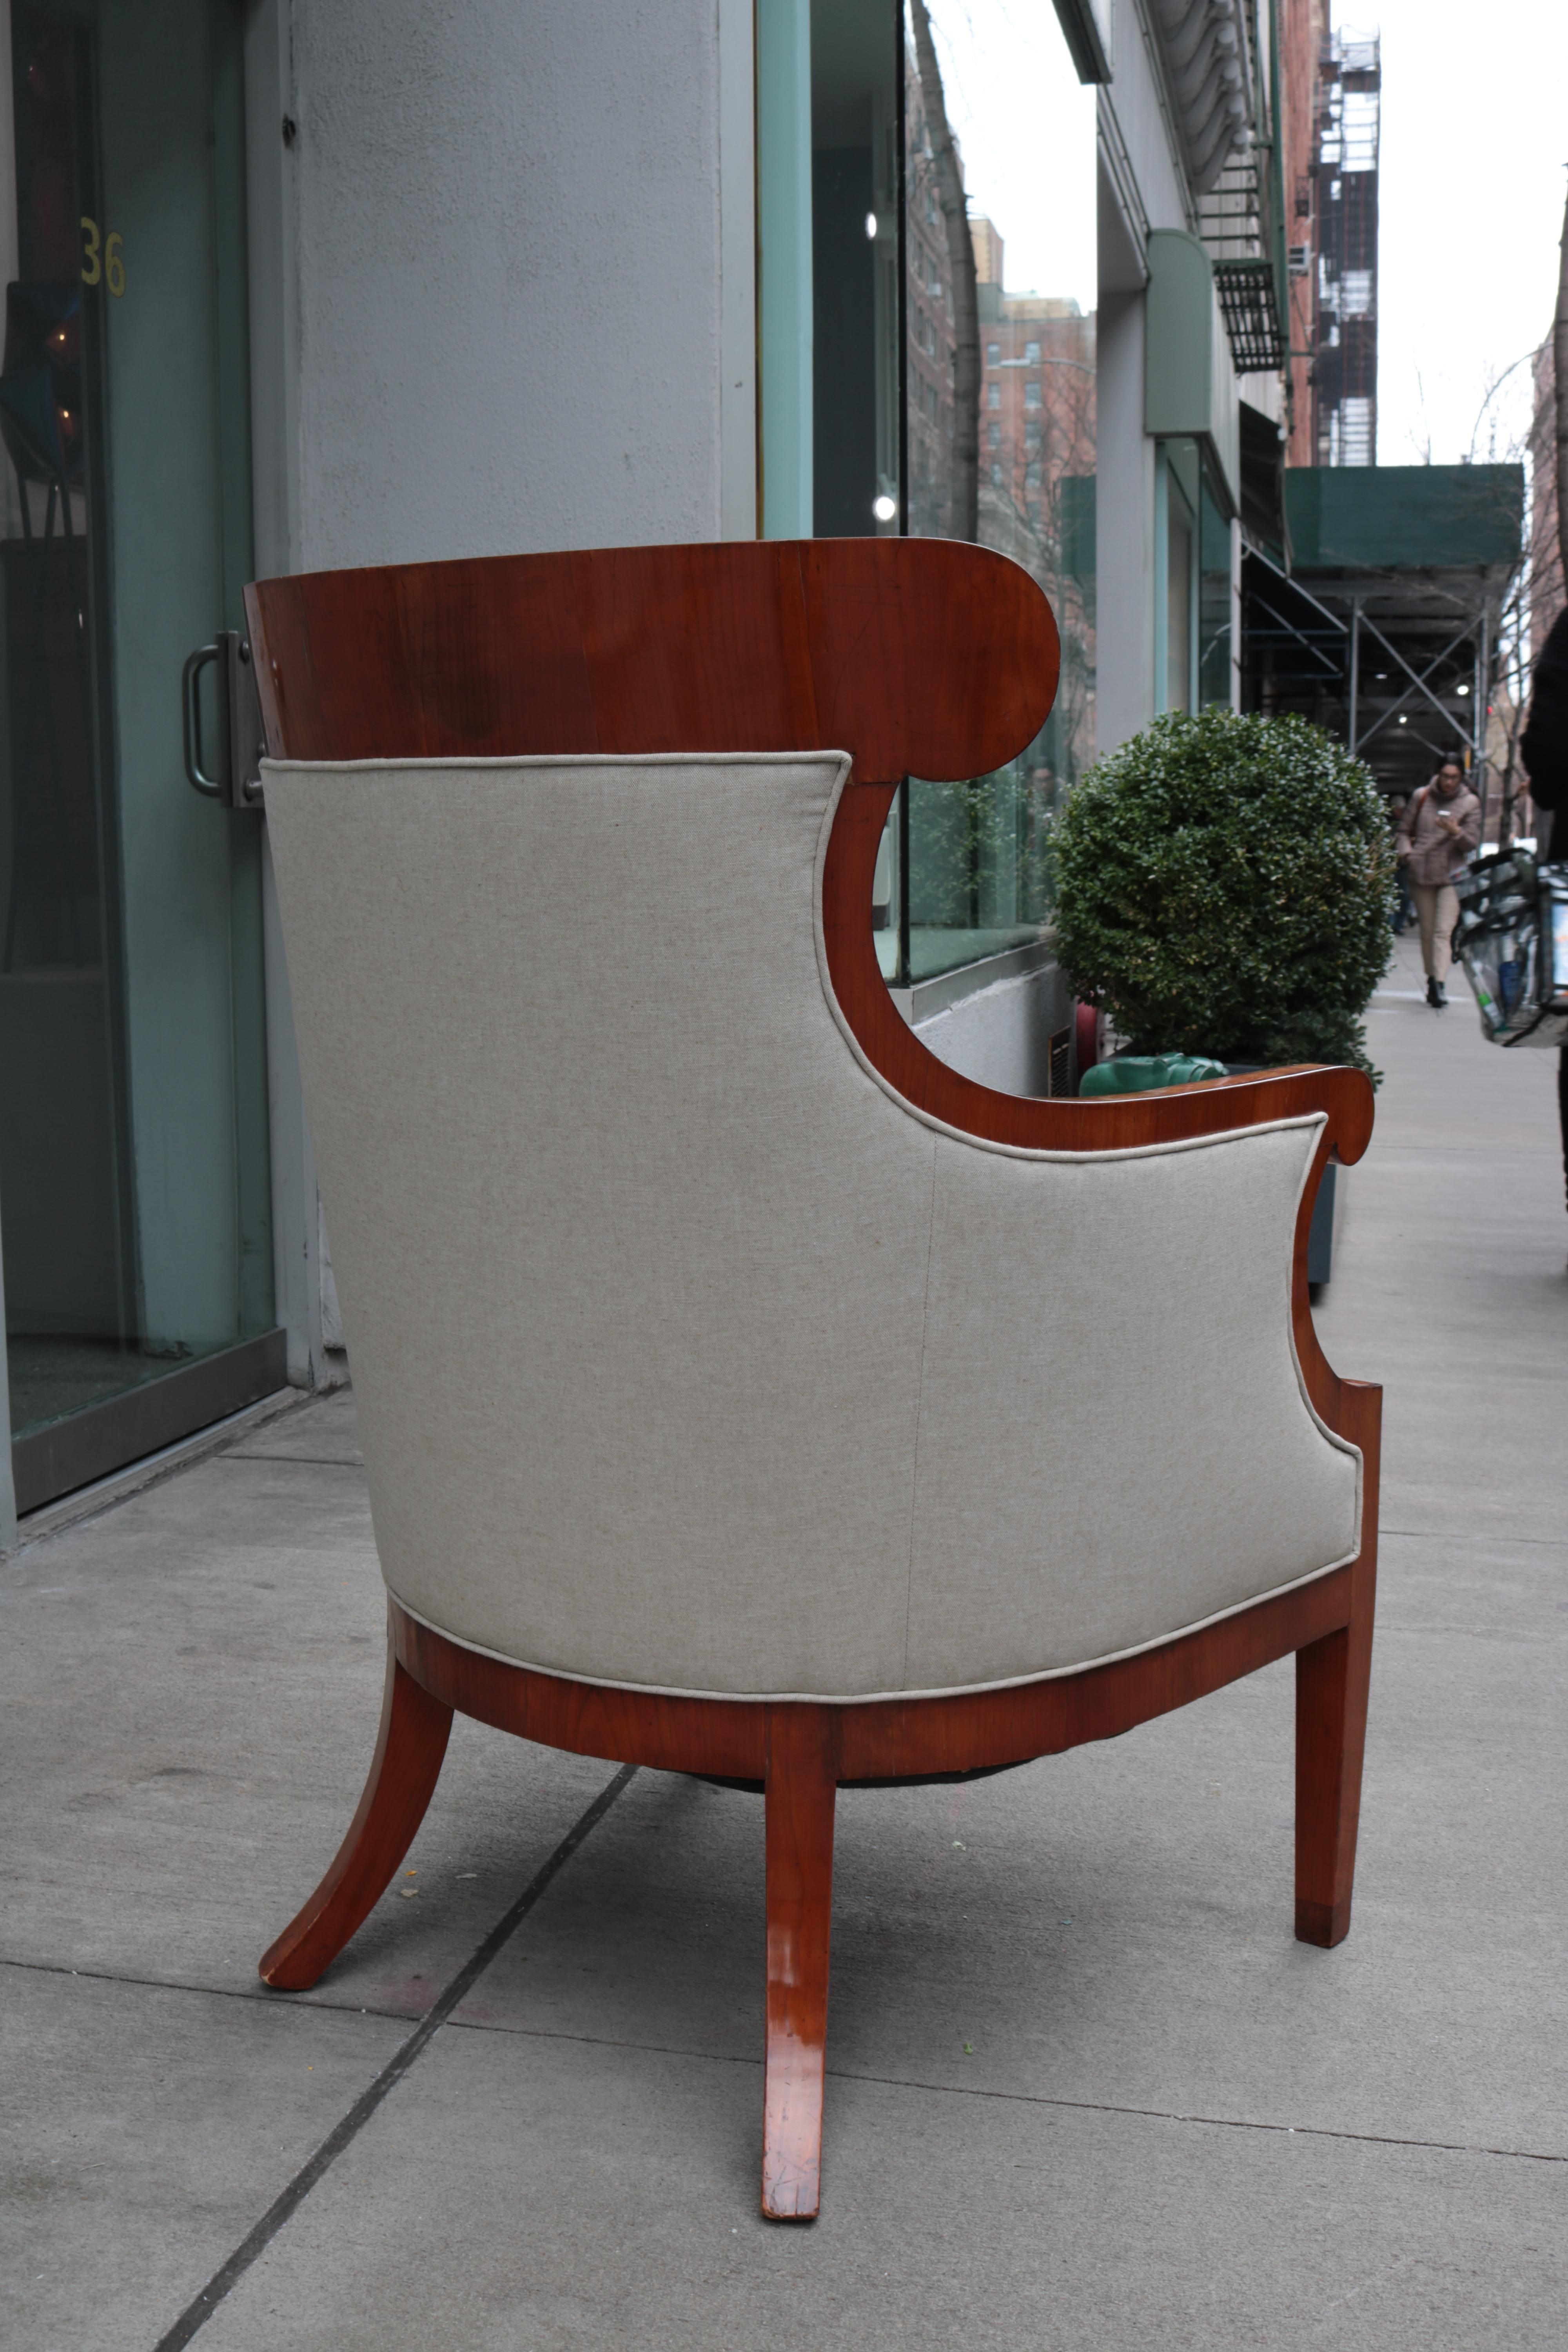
x=1344 y=205
x=1386 y=629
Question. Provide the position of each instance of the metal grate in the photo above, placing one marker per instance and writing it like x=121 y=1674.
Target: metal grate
x=1059 y=1063
x=1249 y=304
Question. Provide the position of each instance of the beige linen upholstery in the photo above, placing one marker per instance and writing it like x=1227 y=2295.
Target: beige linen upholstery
x=690 y=1357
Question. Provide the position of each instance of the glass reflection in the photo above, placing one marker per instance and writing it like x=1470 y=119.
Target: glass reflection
x=999 y=293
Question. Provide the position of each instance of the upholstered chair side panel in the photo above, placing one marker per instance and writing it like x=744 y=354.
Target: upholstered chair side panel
x=631 y=1255
x=1114 y=1441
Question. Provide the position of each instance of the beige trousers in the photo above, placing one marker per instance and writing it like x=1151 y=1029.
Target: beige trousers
x=1437 y=912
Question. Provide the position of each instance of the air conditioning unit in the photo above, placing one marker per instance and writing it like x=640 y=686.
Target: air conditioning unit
x=1301 y=260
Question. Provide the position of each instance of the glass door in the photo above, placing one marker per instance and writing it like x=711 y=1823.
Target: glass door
x=134 y=1172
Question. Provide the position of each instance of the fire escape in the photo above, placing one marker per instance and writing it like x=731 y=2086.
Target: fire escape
x=1241 y=215
x=1344 y=331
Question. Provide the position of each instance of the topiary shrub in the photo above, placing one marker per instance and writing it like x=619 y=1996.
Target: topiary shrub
x=1224 y=886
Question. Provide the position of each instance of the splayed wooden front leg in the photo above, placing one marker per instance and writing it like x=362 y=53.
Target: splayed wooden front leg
x=802 y=1785
x=403 y=1776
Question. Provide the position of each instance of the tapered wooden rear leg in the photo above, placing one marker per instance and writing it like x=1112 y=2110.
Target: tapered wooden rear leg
x=1332 y=1685
x=403 y=1776
x=1331 y=1680
x=802 y=1785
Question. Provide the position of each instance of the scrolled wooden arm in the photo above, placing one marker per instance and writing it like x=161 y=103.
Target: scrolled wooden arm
x=1097 y=1123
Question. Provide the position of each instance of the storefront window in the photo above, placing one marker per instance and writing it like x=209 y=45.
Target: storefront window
x=855 y=171
x=1215 y=674
x=1001 y=262
x=1192 y=661
x=951 y=241
x=1177 y=488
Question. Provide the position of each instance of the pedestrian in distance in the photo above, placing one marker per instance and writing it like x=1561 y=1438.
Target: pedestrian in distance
x=1404 y=906
x=1544 y=747
x=1439 y=830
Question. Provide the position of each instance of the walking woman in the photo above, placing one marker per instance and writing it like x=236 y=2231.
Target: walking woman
x=1439 y=831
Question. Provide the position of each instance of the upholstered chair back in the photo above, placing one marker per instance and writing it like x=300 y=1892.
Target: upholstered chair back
x=689 y=1354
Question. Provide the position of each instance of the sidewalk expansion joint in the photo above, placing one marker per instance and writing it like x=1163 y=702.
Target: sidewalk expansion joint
x=1215 y=2123
x=287 y=1461
x=258 y=1996
x=198 y=2312
x=1478 y=1535
x=1027 y=2098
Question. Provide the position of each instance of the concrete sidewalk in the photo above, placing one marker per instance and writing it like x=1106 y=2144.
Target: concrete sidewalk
x=1084 y=2087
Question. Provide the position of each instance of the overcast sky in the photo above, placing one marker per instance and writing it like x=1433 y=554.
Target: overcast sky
x=1024 y=125
x=1475 y=142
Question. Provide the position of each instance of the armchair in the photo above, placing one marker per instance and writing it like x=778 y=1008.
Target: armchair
x=726 y=1364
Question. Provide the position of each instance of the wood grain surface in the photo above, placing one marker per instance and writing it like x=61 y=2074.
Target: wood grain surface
x=921 y=655
x=802 y=1785
x=409 y=1750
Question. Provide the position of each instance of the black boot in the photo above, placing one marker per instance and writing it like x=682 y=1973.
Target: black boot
x=1434 y=993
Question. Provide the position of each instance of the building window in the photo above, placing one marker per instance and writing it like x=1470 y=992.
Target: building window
x=1216 y=679
x=1177 y=478
x=968 y=867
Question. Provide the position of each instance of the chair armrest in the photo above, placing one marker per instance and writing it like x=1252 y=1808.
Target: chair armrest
x=1098 y=1123
x=1102 y=1123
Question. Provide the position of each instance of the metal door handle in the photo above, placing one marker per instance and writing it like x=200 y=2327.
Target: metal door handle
x=240 y=785
x=210 y=787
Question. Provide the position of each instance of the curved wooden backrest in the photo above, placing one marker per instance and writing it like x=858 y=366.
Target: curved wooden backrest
x=920 y=656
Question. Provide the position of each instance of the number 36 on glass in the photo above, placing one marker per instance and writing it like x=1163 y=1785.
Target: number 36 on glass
x=101 y=262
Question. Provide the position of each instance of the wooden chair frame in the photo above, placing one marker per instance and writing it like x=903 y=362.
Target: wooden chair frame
x=916 y=657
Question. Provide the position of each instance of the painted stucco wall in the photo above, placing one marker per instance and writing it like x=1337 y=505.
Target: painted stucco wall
x=1000 y=1036
x=485 y=308
x=502 y=229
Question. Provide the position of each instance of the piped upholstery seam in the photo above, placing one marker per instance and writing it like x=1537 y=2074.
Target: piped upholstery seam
x=919 y=1400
